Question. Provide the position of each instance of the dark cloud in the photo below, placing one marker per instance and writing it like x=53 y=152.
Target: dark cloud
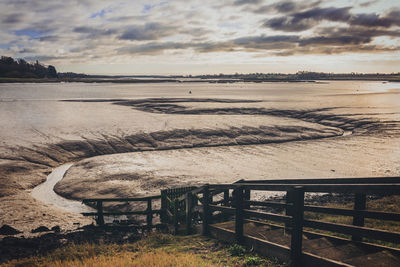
x=49 y=38
x=149 y=31
x=284 y=7
x=342 y=40
x=288 y=25
x=328 y=13
x=371 y=20
x=153 y=48
x=12 y=18
x=356 y=31
x=305 y=20
x=267 y=42
x=94 y=32
x=245 y=2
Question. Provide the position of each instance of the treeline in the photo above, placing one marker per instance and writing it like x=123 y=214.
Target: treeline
x=301 y=75
x=20 y=68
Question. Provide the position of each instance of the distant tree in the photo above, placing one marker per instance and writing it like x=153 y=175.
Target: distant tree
x=51 y=71
x=7 y=60
x=23 y=69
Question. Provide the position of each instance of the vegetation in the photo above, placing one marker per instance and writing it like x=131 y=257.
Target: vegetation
x=155 y=250
x=20 y=68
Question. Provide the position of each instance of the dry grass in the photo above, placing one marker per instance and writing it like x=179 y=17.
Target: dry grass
x=159 y=250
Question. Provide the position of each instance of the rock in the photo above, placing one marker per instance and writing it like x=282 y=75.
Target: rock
x=56 y=229
x=8 y=230
x=40 y=229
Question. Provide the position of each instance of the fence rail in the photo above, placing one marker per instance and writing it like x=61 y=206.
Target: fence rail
x=149 y=212
x=235 y=204
x=211 y=203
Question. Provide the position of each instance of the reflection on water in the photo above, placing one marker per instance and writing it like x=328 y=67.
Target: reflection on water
x=45 y=193
x=31 y=113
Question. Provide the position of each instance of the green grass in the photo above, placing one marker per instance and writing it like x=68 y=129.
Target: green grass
x=155 y=250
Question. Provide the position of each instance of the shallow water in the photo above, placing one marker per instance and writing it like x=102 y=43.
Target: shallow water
x=31 y=113
x=45 y=193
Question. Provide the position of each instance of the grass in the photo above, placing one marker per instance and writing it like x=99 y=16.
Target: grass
x=155 y=250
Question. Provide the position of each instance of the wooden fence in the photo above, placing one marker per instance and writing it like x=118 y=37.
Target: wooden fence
x=148 y=212
x=234 y=203
x=212 y=203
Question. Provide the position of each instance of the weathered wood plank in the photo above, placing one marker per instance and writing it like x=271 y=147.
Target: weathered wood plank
x=117 y=213
x=348 y=212
x=87 y=200
x=267 y=216
x=383 y=235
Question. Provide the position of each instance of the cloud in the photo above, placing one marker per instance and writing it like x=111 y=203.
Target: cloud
x=288 y=25
x=342 y=40
x=246 y=2
x=94 y=32
x=149 y=31
x=284 y=7
x=262 y=42
x=305 y=20
x=62 y=32
x=12 y=18
x=49 y=38
x=153 y=48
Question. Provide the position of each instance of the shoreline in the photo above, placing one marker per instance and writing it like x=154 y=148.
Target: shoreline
x=175 y=80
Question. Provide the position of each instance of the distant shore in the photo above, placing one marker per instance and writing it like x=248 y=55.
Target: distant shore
x=174 y=80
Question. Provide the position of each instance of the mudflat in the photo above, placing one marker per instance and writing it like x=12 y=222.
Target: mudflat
x=131 y=140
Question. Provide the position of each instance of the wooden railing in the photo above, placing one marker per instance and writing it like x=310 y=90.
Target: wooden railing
x=235 y=204
x=148 y=212
x=213 y=203
x=173 y=206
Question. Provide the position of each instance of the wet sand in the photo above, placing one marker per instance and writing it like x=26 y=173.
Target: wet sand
x=129 y=141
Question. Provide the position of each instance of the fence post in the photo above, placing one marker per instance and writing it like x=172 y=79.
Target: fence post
x=226 y=203
x=100 y=216
x=164 y=208
x=149 y=217
x=288 y=210
x=297 y=229
x=176 y=216
x=358 y=220
x=239 y=194
x=246 y=196
x=189 y=205
x=226 y=197
x=206 y=210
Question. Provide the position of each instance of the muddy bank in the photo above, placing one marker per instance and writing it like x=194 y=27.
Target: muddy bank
x=320 y=116
x=25 y=167
x=189 y=126
x=144 y=173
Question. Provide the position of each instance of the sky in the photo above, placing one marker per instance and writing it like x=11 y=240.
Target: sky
x=204 y=36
